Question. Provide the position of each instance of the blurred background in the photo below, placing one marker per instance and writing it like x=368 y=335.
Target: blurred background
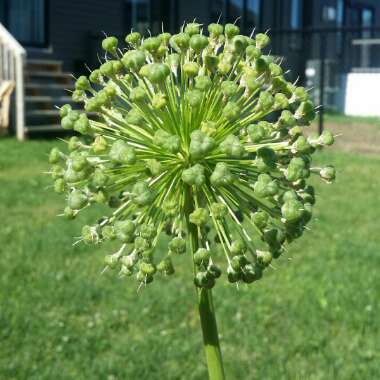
x=314 y=317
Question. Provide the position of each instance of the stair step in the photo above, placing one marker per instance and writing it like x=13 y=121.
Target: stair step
x=49 y=74
x=44 y=128
x=50 y=112
x=48 y=99
x=60 y=86
x=43 y=64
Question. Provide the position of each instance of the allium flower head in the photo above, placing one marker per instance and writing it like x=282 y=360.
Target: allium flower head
x=194 y=132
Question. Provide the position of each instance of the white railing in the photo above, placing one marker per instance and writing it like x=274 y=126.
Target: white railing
x=12 y=59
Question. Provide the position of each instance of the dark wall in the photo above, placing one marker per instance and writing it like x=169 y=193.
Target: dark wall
x=70 y=24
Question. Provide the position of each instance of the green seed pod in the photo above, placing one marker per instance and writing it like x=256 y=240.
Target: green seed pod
x=69 y=213
x=177 y=246
x=257 y=133
x=168 y=142
x=280 y=101
x=232 y=147
x=214 y=271
x=202 y=280
x=238 y=247
x=67 y=123
x=154 y=166
x=134 y=117
x=231 y=111
x=211 y=62
x=141 y=244
x=74 y=143
x=99 y=178
x=260 y=219
x=166 y=266
x=203 y=82
x=111 y=261
x=77 y=200
x=96 y=76
x=199 y=216
x=78 y=96
x=194 y=97
x=142 y=194
x=201 y=257
x=148 y=231
x=121 y=153
x=57 y=172
x=133 y=38
x=301 y=145
x=292 y=210
x=229 y=88
x=55 y=156
x=109 y=44
x=99 y=145
x=200 y=144
x=233 y=276
x=144 y=278
x=158 y=72
x=180 y=42
x=251 y=273
x=263 y=258
x=82 y=83
x=192 y=28
x=124 y=230
x=79 y=163
x=252 y=52
x=262 y=40
x=208 y=127
x=198 y=42
x=215 y=30
x=137 y=94
x=159 y=101
x=239 y=44
x=326 y=138
x=151 y=44
x=82 y=125
x=266 y=101
x=224 y=67
x=191 y=69
x=296 y=169
x=327 y=173
x=194 y=175
x=134 y=60
x=231 y=30
x=108 y=233
x=59 y=186
x=221 y=175
x=287 y=119
x=173 y=60
x=238 y=262
x=275 y=70
x=65 y=110
x=218 y=210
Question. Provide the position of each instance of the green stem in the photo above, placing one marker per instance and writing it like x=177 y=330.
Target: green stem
x=205 y=307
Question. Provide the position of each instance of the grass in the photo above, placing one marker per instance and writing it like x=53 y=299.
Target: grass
x=339 y=118
x=314 y=317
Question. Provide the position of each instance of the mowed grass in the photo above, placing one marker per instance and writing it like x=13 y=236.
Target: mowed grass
x=315 y=317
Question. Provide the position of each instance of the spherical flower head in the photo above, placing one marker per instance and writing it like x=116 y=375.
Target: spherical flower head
x=199 y=137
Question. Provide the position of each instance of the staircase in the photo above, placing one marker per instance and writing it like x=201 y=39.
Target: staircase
x=46 y=88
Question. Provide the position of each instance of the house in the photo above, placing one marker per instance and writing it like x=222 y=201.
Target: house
x=54 y=38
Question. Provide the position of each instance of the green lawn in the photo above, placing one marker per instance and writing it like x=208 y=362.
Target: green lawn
x=314 y=317
x=339 y=118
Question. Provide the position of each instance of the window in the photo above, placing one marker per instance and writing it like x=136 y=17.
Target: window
x=340 y=12
x=252 y=11
x=26 y=20
x=295 y=14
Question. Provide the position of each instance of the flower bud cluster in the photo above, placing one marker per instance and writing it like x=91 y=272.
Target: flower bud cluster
x=196 y=133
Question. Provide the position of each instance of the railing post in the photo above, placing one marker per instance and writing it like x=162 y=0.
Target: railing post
x=20 y=113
